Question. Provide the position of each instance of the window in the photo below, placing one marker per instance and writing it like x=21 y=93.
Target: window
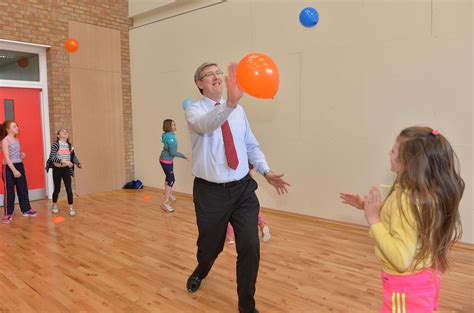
x=8 y=110
x=16 y=65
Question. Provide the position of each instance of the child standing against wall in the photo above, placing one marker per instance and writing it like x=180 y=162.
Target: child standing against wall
x=13 y=174
x=62 y=159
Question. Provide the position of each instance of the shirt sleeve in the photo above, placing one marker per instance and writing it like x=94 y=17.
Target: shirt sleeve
x=207 y=122
x=254 y=153
x=53 y=155
x=75 y=159
x=398 y=242
x=173 y=148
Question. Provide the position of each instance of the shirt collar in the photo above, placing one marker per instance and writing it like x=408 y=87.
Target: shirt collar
x=210 y=102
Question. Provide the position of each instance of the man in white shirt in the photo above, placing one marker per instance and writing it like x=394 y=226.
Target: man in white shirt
x=223 y=147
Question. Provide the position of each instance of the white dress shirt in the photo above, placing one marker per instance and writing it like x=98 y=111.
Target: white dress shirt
x=209 y=160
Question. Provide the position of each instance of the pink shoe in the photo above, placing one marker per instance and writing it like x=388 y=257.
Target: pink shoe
x=6 y=219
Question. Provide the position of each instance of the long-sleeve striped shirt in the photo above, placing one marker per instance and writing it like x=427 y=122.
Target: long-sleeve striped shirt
x=55 y=157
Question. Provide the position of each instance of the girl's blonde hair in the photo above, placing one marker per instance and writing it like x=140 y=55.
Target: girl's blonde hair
x=430 y=176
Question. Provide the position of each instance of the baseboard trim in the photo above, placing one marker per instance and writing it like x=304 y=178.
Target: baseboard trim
x=313 y=219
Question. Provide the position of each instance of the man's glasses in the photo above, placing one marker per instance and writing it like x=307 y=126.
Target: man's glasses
x=209 y=74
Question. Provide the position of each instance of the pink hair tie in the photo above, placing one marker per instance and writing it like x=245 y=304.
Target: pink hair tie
x=435 y=132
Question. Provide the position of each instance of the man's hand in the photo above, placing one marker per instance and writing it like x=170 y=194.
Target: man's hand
x=277 y=181
x=353 y=200
x=234 y=93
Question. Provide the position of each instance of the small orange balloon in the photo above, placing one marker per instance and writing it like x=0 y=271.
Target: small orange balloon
x=258 y=76
x=23 y=62
x=71 y=45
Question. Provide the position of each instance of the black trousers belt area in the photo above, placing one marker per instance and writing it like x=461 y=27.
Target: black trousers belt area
x=217 y=205
x=224 y=185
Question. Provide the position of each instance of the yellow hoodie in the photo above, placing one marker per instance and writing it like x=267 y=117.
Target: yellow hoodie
x=396 y=236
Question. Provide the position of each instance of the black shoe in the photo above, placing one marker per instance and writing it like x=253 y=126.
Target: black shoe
x=193 y=283
x=254 y=310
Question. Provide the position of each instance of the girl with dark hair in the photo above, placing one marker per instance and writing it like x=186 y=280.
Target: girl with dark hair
x=62 y=159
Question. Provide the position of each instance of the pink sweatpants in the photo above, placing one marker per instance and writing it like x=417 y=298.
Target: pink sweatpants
x=415 y=293
x=230 y=229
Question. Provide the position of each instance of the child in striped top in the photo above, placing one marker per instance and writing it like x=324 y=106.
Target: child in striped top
x=62 y=159
x=13 y=173
x=417 y=224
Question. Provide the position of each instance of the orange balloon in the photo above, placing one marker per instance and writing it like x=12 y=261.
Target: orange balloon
x=258 y=76
x=23 y=62
x=71 y=45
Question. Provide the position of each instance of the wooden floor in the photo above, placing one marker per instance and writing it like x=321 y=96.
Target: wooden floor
x=122 y=254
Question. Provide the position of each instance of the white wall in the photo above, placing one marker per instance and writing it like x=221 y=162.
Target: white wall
x=348 y=86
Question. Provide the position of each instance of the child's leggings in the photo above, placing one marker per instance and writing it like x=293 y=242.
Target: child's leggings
x=169 y=173
x=414 y=293
x=62 y=173
x=230 y=229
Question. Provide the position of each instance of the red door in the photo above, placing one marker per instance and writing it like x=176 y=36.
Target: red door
x=23 y=105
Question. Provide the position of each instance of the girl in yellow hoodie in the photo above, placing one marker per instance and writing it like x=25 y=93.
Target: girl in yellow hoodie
x=417 y=224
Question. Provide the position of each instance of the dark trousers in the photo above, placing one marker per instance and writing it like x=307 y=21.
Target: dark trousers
x=216 y=205
x=169 y=173
x=64 y=174
x=10 y=182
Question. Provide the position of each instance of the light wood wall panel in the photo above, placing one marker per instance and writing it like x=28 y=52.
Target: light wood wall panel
x=97 y=114
x=99 y=47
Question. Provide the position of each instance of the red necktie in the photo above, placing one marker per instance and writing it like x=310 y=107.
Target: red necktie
x=229 y=147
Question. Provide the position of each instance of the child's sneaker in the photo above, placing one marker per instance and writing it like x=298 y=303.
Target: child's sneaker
x=266 y=233
x=172 y=198
x=72 y=212
x=6 y=219
x=55 y=209
x=166 y=207
x=29 y=213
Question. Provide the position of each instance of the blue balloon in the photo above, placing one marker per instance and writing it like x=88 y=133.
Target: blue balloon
x=187 y=102
x=309 y=17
